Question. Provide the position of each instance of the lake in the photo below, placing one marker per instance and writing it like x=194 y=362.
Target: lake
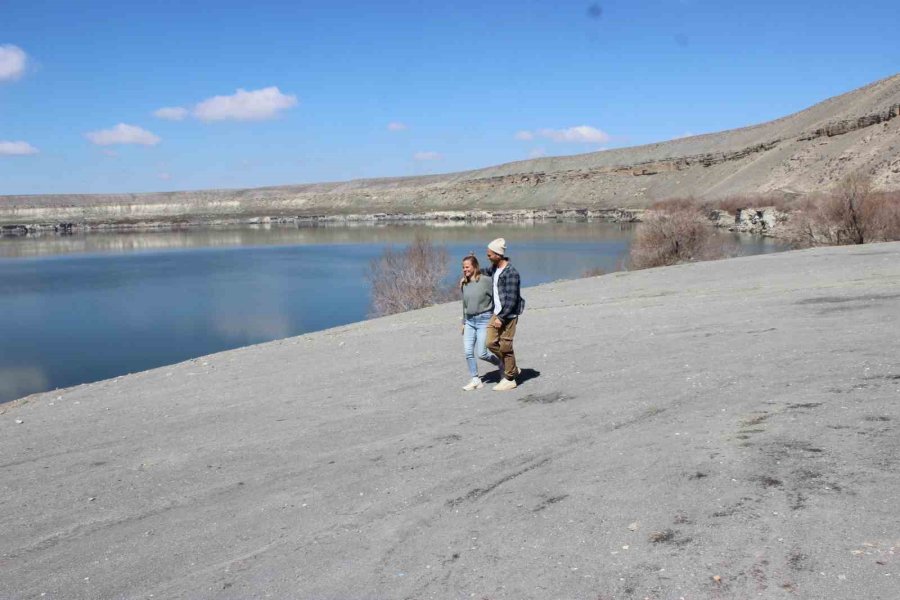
x=81 y=308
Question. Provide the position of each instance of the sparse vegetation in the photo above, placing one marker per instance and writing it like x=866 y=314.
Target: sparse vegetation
x=679 y=230
x=408 y=279
x=678 y=204
x=675 y=231
x=732 y=204
x=594 y=272
x=852 y=214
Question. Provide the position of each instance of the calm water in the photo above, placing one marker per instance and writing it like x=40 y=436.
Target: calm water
x=83 y=308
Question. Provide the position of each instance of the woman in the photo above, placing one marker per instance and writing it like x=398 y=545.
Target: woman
x=478 y=307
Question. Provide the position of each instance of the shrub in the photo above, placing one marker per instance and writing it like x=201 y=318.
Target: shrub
x=676 y=205
x=852 y=214
x=847 y=210
x=732 y=204
x=409 y=279
x=674 y=235
x=882 y=216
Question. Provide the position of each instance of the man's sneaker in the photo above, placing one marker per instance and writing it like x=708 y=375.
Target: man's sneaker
x=505 y=385
x=475 y=384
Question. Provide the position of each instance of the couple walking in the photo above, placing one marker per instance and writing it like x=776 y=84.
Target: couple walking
x=491 y=308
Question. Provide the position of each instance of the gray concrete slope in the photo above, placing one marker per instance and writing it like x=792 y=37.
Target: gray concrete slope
x=717 y=430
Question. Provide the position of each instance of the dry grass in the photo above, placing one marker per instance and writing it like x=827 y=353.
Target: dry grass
x=687 y=204
x=409 y=279
x=852 y=214
x=675 y=232
x=733 y=204
x=730 y=204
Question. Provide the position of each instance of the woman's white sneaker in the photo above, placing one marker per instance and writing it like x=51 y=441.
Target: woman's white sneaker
x=475 y=384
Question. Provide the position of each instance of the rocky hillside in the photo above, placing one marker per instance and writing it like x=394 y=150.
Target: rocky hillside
x=805 y=152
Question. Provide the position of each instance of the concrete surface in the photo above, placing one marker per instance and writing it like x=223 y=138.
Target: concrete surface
x=717 y=430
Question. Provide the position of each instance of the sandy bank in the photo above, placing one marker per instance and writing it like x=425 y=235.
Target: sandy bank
x=734 y=419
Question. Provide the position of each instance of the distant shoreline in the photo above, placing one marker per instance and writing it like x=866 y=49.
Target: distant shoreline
x=747 y=220
x=616 y=215
x=803 y=154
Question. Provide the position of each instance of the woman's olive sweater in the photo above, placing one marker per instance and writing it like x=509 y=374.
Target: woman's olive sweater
x=478 y=296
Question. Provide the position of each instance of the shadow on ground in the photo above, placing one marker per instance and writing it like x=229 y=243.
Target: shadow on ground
x=524 y=375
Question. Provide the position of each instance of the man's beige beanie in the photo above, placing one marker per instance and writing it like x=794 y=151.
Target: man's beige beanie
x=498 y=246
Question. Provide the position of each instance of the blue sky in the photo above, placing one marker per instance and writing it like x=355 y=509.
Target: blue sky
x=335 y=91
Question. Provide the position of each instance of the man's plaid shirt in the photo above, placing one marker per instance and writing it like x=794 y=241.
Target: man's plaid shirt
x=508 y=288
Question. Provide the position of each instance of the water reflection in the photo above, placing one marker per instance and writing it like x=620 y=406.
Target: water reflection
x=290 y=235
x=253 y=329
x=87 y=307
x=16 y=382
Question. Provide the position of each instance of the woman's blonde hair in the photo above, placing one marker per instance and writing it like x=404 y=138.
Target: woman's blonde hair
x=472 y=259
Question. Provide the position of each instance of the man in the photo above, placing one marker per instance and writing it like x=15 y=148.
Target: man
x=508 y=305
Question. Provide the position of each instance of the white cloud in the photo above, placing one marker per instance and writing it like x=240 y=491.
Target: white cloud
x=256 y=105
x=171 y=113
x=123 y=134
x=12 y=62
x=581 y=134
x=397 y=126
x=428 y=156
x=16 y=148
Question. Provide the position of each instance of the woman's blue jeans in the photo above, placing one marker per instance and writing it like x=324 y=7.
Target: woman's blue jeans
x=474 y=335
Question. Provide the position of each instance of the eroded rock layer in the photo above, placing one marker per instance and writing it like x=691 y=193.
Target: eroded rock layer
x=806 y=152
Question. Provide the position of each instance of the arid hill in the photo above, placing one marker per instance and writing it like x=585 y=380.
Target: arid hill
x=806 y=152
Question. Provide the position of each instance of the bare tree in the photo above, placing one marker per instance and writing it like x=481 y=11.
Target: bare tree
x=408 y=279
x=848 y=207
x=674 y=233
x=852 y=214
x=885 y=216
